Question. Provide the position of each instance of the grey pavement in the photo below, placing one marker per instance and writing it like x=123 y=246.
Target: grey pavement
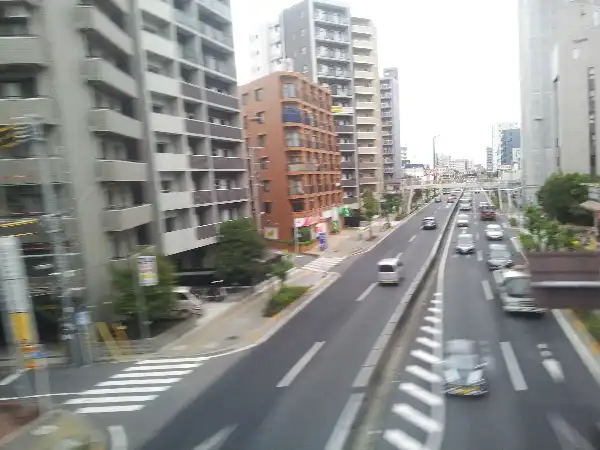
x=289 y=392
x=526 y=402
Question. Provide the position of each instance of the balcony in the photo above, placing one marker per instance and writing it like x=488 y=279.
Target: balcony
x=218 y=7
x=206 y=232
x=344 y=128
x=230 y=163
x=337 y=74
x=364 y=75
x=368 y=150
x=159 y=45
x=365 y=105
x=341 y=39
x=22 y=50
x=347 y=165
x=367 y=135
x=298 y=190
x=364 y=59
x=121 y=171
x=369 y=165
x=99 y=71
x=347 y=147
x=127 y=218
x=202 y=197
x=331 y=19
x=157 y=8
x=217 y=36
x=368 y=90
x=385 y=87
x=113 y=122
x=171 y=162
x=368 y=180
x=162 y=84
x=232 y=195
x=11 y=108
x=179 y=241
x=175 y=200
x=196 y=126
x=335 y=56
x=361 y=43
x=20 y=171
x=199 y=162
x=90 y=19
x=364 y=120
x=166 y=123
x=226 y=100
x=220 y=67
x=342 y=93
x=349 y=183
x=226 y=131
x=306 y=167
x=350 y=200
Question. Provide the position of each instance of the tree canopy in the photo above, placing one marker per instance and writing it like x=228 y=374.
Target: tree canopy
x=391 y=203
x=369 y=204
x=239 y=253
x=561 y=195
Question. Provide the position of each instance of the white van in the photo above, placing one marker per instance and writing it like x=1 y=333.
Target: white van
x=390 y=271
x=186 y=303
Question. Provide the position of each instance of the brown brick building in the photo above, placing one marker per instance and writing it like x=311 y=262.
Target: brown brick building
x=289 y=126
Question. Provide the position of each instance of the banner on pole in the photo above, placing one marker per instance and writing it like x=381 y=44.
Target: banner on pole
x=147 y=273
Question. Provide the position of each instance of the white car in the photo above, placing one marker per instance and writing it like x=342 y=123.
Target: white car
x=494 y=232
x=462 y=221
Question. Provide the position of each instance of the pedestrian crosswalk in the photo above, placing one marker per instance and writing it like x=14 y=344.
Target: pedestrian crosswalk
x=322 y=264
x=134 y=387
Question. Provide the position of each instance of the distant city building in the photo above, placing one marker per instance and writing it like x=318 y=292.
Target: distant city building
x=509 y=140
x=497 y=132
x=393 y=152
x=460 y=165
x=489 y=159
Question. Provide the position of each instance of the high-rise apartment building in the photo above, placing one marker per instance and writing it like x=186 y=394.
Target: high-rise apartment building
x=301 y=181
x=367 y=104
x=393 y=152
x=489 y=159
x=142 y=121
x=266 y=51
x=510 y=139
x=500 y=139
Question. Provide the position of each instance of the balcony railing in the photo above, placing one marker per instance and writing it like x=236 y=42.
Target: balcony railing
x=303 y=167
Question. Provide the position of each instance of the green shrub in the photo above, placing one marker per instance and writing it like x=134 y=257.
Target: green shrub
x=513 y=221
x=285 y=297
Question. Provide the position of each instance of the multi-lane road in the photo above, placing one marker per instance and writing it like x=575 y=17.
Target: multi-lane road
x=296 y=391
x=541 y=393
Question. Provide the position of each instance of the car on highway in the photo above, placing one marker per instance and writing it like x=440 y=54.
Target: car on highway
x=482 y=206
x=438 y=199
x=464 y=369
x=429 y=223
x=465 y=205
x=390 y=271
x=465 y=244
x=499 y=257
x=462 y=220
x=494 y=232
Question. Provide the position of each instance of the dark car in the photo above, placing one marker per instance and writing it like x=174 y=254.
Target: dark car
x=499 y=257
x=464 y=369
x=429 y=223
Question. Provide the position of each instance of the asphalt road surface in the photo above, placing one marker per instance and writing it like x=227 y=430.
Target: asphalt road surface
x=293 y=392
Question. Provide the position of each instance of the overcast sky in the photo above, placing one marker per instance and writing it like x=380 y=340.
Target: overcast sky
x=458 y=62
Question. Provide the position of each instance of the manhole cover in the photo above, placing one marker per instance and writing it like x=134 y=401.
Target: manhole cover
x=232 y=338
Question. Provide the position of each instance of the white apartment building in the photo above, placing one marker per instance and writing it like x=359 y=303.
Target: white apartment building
x=367 y=105
x=460 y=165
x=267 y=51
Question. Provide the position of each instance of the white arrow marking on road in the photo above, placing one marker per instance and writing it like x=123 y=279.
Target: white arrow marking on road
x=479 y=255
x=430 y=330
x=401 y=440
x=118 y=438
x=416 y=417
x=554 y=369
x=420 y=394
x=424 y=356
x=217 y=440
x=424 y=374
x=428 y=342
x=433 y=319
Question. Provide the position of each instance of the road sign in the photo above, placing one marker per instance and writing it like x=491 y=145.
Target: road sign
x=147 y=273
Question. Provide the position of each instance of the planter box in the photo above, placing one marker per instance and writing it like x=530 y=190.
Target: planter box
x=565 y=280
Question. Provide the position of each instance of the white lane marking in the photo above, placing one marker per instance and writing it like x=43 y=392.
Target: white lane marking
x=300 y=365
x=164 y=367
x=568 y=437
x=416 y=417
x=173 y=361
x=477 y=236
x=487 y=290
x=342 y=428
x=412 y=238
x=401 y=440
x=554 y=369
x=433 y=319
x=479 y=255
x=173 y=373
x=546 y=354
x=434 y=310
x=118 y=438
x=216 y=441
x=399 y=255
x=11 y=378
x=514 y=371
x=428 y=342
x=125 y=399
x=137 y=382
x=424 y=374
x=366 y=292
x=420 y=394
x=424 y=356
x=108 y=409
x=430 y=330
x=135 y=390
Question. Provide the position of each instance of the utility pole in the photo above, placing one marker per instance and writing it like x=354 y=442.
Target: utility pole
x=435 y=162
x=53 y=223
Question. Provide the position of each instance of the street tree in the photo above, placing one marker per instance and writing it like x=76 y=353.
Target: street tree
x=561 y=195
x=240 y=252
x=158 y=299
x=369 y=204
x=391 y=204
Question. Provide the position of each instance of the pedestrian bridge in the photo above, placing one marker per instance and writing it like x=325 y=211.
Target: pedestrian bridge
x=404 y=184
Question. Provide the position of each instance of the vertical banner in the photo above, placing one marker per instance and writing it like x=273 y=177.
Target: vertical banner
x=147 y=271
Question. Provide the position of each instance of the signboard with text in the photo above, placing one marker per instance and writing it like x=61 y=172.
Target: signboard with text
x=147 y=271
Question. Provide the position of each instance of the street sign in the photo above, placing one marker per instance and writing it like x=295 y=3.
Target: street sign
x=147 y=273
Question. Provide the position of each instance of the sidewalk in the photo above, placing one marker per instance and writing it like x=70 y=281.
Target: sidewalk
x=242 y=324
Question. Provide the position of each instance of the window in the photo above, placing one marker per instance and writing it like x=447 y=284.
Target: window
x=260 y=117
x=156 y=108
x=289 y=90
x=292 y=139
x=303 y=51
x=165 y=186
x=267 y=186
x=161 y=147
x=264 y=163
x=244 y=99
x=258 y=95
x=303 y=32
x=262 y=140
x=169 y=224
x=267 y=207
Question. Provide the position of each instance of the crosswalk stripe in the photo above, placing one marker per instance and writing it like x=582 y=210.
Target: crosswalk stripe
x=137 y=382
x=433 y=319
x=173 y=373
x=430 y=330
x=322 y=264
x=401 y=440
x=173 y=361
x=124 y=399
x=165 y=367
x=416 y=417
x=108 y=409
x=424 y=374
x=424 y=356
x=428 y=342
x=134 y=390
x=420 y=394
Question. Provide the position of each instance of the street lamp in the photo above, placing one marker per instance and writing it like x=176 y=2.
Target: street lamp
x=434 y=158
